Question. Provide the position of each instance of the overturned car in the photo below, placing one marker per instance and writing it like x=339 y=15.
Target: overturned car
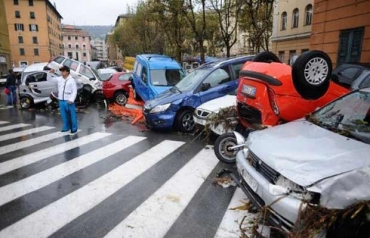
x=321 y=160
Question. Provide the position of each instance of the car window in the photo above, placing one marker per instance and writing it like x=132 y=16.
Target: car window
x=193 y=79
x=138 y=69
x=144 y=75
x=366 y=82
x=86 y=72
x=71 y=64
x=218 y=77
x=166 y=77
x=124 y=77
x=236 y=68
x=59 y=59
x=349 y=72
x=40 y=77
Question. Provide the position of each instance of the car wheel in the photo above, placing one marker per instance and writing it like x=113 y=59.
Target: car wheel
x=185 y=121
x=266 y=57
x=120 y=98
x=222 y=148
x=311 y=74
x=26 y=102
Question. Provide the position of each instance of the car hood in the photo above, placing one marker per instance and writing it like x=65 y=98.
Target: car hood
x=165 y=97
x=306 y=153
x=161 y=89
x=216 y=104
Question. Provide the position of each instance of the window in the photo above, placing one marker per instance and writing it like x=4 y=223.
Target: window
x=282 y=56
x=69 y=55
x=350 y=45
x=284 y=19
x=18 y=27
x=71 y=64
x=34 y=27
x=17 y=14
x=32 y=15
x=365 y=83
x=30 y=2
x=84 y=46
x=292 y=53
x=36 y=51
x=218 y=77
x=144 y=75
x=20 y=39
x=76 y=37
x=86 y=72
x=34 y=40
x=295 y=18
x=84 y=54
x=83 y=38
x=69 y=46
x=69 y=38
x=21 y=51
x=59 y=59
x=236 y=68
x=124 y=77
x=308 y=20
x=15 y=2
x=77 y=46
x=304 y=50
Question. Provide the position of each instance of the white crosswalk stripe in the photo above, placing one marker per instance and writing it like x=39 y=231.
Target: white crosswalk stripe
x=153 y=217
x=11 y=127
x=3 y=122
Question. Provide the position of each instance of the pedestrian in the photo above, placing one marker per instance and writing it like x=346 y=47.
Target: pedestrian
x=67 y=92
x=11 y=85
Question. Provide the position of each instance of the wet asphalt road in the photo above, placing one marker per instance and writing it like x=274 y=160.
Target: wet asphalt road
x=112 y=179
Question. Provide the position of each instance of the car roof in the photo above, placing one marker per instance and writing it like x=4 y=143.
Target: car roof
x=18 y=69
x=222 y=62
x=157 y=61
x=35 y=67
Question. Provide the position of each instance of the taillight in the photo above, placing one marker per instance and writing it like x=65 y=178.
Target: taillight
x=273 y=101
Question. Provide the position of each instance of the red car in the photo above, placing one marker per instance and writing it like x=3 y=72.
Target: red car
x=116 y=88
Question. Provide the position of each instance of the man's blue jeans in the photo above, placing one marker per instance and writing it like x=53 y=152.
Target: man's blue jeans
x=69 y=117
x=12 y=96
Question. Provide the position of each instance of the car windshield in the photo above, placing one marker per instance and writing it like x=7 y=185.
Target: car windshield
x=166 y=77
x=348 y=116
x=193 y=79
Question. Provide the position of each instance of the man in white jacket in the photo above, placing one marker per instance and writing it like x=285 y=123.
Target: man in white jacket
x=67 y=92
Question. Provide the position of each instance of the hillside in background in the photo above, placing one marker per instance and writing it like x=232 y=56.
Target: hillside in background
x=96 y=31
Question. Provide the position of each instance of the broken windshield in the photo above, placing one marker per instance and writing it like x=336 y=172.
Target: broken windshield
x=348 y=116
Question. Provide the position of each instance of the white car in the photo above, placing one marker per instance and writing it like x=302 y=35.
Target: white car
x=79 y=71
x=321 y=160
x=105 y=73
x=203 y=113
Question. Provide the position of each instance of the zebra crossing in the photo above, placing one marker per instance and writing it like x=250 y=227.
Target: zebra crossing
x=105 y=185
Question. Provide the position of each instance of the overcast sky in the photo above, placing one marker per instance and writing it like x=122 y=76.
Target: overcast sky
x=92 y=12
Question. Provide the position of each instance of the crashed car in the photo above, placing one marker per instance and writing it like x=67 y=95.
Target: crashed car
x=321 y=160
x=271 y=93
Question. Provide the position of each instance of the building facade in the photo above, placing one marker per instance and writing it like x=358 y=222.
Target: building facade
x=5 y=60
x=342 y=30
x=101 y=49
x=292 y=22
x=76 y=43
x=34 y=28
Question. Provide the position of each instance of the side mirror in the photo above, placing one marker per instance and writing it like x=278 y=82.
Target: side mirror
x=92 y=79
x=205 y=86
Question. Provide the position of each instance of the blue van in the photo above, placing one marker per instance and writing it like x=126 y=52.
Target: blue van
x=153 y=74
x=175 y=107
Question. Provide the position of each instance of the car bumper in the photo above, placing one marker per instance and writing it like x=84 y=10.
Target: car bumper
x=163 y=120
x=219 y=129
x=284 y=209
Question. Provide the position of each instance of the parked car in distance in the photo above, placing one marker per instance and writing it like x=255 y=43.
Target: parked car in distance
x=154 y=74
x=175 y=107
x=204 y=113
x=321 y=160
x=347 y=73
x=79 y=71
x=116 y=88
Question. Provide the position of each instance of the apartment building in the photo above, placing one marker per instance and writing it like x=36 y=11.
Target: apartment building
x=5 y=60
x=34 y=28
x=76 y=43
x=292 y=22
x=342 y=30
x=101 y=49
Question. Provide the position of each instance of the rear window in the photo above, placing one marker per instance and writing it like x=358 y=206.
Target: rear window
x=59 y=59
x=166 y=77
x=71 y=64
x=124 y=77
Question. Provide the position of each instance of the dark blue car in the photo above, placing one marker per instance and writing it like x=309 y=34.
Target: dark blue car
x=174 y=107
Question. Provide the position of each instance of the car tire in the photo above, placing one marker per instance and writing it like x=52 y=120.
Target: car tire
x=120 y=98
x=311 y=74
x=222 y=143
x=185 y=121
x=266 y=57
x=26 y=102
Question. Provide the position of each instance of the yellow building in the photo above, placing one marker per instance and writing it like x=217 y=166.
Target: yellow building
x=35 y=33
x=5 y=61
x=291 y=28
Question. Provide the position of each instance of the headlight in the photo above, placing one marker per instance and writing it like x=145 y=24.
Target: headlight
x=249 y=91
x=160 y=108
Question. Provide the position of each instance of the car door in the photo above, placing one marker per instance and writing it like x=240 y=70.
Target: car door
x=143 y=84
x=41 y=84
x=217 y=84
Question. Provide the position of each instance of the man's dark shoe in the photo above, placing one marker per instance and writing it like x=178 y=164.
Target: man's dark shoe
x=64 y=130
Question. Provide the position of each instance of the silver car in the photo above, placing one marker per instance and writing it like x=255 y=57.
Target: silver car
x=323 y=159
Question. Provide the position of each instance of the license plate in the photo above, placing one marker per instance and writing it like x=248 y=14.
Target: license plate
x=250 y=180
x=249 y=90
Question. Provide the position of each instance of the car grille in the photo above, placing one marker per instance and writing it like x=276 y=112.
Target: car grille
x=270 y=174
x=202 y=113
x=249 y=114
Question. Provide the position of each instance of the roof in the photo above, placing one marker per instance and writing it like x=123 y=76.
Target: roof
x=53 y=7
x=221 y=62
x=157 y=61
x=123 y=16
